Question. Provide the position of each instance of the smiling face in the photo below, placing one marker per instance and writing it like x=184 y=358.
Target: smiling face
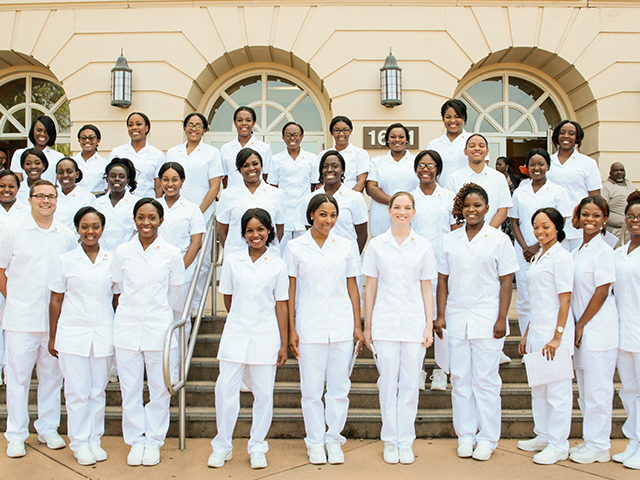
x=545 y=230
x=256 y=234
x=324 y=218
x=194 y=129
x=251 y=171
x=538 y=167
x=137 y=128
x=8 y=189
x=567 y=136
x=474 y=208
x=293 y=137
x=476 y=149
x=427 y=170
x=592 y=219
x=452 y=121
x=90 y=229
x=117 y=179
x=402 y=210
x=332 y=170
x=244 y=123
x=44 y=207
x=171 y=183
x=88 y=141
x=148 y=221
x=33 y=167
x=40 y=135
x=67 y=174
x=397 y=140
x=633 y=225
x=341 y=133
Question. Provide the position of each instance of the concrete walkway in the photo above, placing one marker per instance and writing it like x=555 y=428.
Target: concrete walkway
x=288 y=460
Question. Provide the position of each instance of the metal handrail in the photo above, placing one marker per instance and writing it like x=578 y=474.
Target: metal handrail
x=185 y=360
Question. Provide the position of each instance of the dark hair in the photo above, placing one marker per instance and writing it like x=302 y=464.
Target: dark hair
x=128 y=166
x=556 y=217
x=328 y=154
x=88 y=209
x=475 y=135
x=292 y=123
x=400 y=194
x=244 y=108
x=6 y=172
x=459 y=107
x=556 y=132
x=243 y=156
x=598 y=201
x=632 y=199
x=434 y=155
x=337 y=119
x=38 y=153
x=147 y=122
x=538 y=151
x=148 y=200
x=263 y=217
x=467 y=189
x=176 y=166
x=48 y=125
x=93 y=128
x=75 y=165
x=205 y=123
x=318 y=200
x=40 y=182
x=391 y=127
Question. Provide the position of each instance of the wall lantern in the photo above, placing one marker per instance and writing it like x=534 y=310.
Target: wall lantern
x=391 y=82
x=121 y=83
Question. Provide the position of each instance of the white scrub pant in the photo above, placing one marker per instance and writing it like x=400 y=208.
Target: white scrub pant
x=522 y=303
x=143 y=425
x=320 y=361
x=228 y=405
x=629 y=371
x=476 y=383
x=595 y=386
x=289 y=235
x=24 y=350
x=85 y=379
x=400 y=365
x=551 y=405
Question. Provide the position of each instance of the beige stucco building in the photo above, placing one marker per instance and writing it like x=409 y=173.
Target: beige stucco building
x=521 y=66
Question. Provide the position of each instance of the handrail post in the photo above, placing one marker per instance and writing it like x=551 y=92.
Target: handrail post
x=182 y=398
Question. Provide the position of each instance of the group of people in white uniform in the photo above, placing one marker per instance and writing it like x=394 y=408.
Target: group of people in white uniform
x=294 y=228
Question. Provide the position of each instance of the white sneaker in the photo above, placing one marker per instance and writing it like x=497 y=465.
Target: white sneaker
x=627 y=454
x=258 y=460
x=504 y=359
x=15 y=449
x=586 y=455
x=317 y=455
x=633 y=461
x=151 y=456
x=98 y=452
x=482 y=452
x=334 y=453
x=465 y=449
x=135 y=456
x=53 y=440
x=533 y=445
x=576 y=448
x=549 y=456
x=406 y=456
x=390 y=454
x=85 y=456
x=216 y=460
x=438 y=380
x=422 y=380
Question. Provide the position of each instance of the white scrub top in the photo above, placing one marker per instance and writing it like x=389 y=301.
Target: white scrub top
x=28 y=253
x=235 y=201
x=324 y=313
x=549 y=275
x=120 y=226
x=452 y=154
x=144 y=277
x=18 y=210
x=53 y=158
x=474 y=269
x=494 y=183
x=392 y=177
x=86 y=318
x=595 y=266
x=23 y=192
x=398 y=311
x=433 y=217
x=229 y=152
x=251 y=333
x=578 y=176
x=68 y=205
x=93 y=171
x=627 y=295
x=293 y=178
x=147 y=162
x=356 y=160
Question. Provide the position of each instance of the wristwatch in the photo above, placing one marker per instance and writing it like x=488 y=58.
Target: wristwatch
x=559 y=329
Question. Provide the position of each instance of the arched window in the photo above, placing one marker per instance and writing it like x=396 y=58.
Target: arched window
x=277 y=99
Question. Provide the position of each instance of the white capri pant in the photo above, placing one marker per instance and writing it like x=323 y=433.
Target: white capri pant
x=595 y=386
x=85 y=379
x=228 y=405
x=143 y=425
x=551 y=405
x=400 y=365
x=319 y=362
x=629 y=371
x=476 y=383
x=23 y=351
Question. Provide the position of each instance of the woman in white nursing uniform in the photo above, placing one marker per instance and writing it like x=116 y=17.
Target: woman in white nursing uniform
x=532 y=194
x=596 y=332
x=391 y=173
x=244 y=119
x=33 y=162
x=90 y=161
x=324 y=320
x=398 y=317
x=71 y=197
x=148 y=273
x=576 y=173
x=255 y=285
x=474 y=292
x=356 y=159
x=251 y=193
x=81 y=333
x=146 y=158
x=627 y=258
x=42 y=136
x=550 y=279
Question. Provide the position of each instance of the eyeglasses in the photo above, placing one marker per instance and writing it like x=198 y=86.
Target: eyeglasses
x=337 y=131
x=195 y=126
x=84 y=138
x=429 y=166
x=42 y=196
x=631 y=217
x=289 y=136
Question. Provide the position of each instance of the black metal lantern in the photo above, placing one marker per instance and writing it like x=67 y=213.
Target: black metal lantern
x=121 y=83
x=391 y=82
